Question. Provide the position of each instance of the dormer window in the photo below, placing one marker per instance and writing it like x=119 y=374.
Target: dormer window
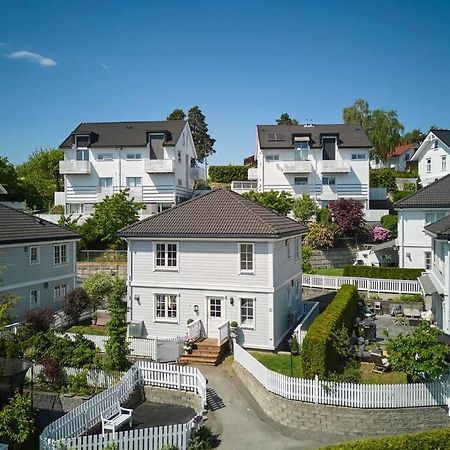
x=276 y=137
x=301 y=149
x=82 y=141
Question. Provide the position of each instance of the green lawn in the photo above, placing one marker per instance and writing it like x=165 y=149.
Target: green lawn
x=280 y=363
x=332 y=271
x=389 y=377
x=88 y=329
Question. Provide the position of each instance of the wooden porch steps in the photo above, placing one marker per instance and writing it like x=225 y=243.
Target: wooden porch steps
x=205 y=351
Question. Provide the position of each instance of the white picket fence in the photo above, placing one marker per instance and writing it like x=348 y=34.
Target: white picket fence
x=312 y=310
x=345 y=394
x=67 y=429
x=363 y=284
x=159 y=349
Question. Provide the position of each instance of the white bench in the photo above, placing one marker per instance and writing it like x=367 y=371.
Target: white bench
x=114 y=417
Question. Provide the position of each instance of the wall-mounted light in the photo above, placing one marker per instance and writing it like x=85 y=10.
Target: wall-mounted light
x=137 y=298
x=231 y=301
x=196 y=309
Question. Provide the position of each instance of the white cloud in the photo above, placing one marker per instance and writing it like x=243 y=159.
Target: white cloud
x=33 y=58
x=3 y=44
x=105 y=66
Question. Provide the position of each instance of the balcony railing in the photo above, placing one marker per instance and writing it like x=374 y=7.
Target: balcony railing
x=60 y=198
x=295 y=166
x=252 y=173
x=335 y=167
x=159 y=165
x=133 y=192
x=244 y=186
x=75 y=167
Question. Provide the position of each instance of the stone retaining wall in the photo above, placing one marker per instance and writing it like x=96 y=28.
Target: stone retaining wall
x=358 y=422
x=336 y=257
x=174 y=397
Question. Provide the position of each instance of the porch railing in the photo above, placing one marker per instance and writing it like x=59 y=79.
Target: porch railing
x=223 y=334
x=195 y=329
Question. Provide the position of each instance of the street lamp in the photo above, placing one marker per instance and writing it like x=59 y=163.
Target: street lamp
x=290 y=352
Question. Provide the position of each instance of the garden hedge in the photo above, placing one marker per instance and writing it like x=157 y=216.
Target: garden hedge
x=390 y=273
x=227 y=174
x=428 y=440
x=318 y=355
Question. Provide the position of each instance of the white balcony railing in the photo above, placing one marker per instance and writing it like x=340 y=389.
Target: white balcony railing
x=159 y=165
x=75 y=167
x=244 y=186
x=60 y=198
x=335 y=167
x=252 y=173
x=197 y=173
x=295 y=166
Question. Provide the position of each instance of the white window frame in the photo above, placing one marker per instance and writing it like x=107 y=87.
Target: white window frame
x=166 y=266
x=103 y=184
x=428 y=260
x=270 y=158
x=83 y=152
x=246 y=271
x=128 y=179
x=59 y=292
x=300 y=184
x=328 y=181
x=60 y=262
x=133 y=156
x=358 y=156
x=70 y=208
x=82 y=136
x=249 y=325
x=443 y=163
x=166 y=318
x=297 y=249
x=428 y=161
x=105 y=157
x=38 y=254
x=287 y=244
x=36 y=303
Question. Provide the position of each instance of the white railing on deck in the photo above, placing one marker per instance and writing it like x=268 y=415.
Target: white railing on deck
x=345 y=394
x=11 y=328
x=223 y=333
x=195 y=329
x=363 y=284
x=312 y=310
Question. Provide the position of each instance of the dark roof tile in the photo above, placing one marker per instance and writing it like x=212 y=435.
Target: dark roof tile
x=440 y=229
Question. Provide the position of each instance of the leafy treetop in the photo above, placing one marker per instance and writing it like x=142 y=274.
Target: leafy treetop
x=204 y=143
x=285 y=119
x=280 y=202
x=304 y=208
x=348 y=215
x=176 y=114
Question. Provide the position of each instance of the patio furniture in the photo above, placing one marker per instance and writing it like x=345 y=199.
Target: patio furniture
x=102 y=317
x=115 y=417
x=377 y=308
x=412 y=313
x=380 y=364
x=400 y=319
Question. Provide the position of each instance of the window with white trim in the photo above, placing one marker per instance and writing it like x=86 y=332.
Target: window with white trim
x=35 y=298
x=300 y=181
x=358 y=156
x=82 y=141
x=60 y=254
x=166 y=308
x=428 y=260
x=35 y=254
x=134 y=181
x=297 y=249
x=134 y=156
x=105 y=182
x=329 y=181
x=246 y=257
x=431 y=217
x=105 y=157
x=287 y=244
x=301 y=151
x=166 y=255
x=247 y=312
x=75 y=208
x=443 y=162
x=59 y=292
x=82 y=155
x=428 y=165
x=272 y=158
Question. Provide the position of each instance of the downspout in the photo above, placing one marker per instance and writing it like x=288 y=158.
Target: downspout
x=402 y=243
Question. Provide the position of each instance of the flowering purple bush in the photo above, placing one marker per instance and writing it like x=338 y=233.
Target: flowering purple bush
x=379 y=234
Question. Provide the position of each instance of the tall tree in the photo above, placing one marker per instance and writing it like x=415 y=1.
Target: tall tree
x=281 y=202
x=358 y=113
x=285 y=119
x=413 y=136
x=204 y=143
x=176 y=114
x=10 y=181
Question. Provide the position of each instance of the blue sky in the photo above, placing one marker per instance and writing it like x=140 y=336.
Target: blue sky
x=243 y=62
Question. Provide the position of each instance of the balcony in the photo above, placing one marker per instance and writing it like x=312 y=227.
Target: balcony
x=295 y=166
x=335 y=167
x=159 y=165
x=329 y=193
x=60 y=198
x=197 y=173
x=252 y=173
x=75 y=167
x=244 y=186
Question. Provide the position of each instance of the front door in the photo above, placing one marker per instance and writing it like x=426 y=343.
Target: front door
x=215 y=315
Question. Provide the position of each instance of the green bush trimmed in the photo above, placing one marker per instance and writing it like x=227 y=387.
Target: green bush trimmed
x=389 y=273
x=427 y=440
x=318 y=354
x=227 y=174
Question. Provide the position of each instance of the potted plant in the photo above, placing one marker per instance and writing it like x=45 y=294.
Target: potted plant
x=233 y=328
x=187 y=346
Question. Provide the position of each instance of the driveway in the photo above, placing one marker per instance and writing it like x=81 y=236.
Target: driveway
x=238 y=421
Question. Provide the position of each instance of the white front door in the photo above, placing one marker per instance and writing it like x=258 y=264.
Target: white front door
x=215 y=315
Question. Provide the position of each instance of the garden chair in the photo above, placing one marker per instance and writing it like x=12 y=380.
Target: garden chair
x=102 y=318
x=377 y=308
x=380 y=364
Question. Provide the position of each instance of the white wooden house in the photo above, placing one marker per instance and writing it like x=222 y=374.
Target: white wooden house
x=219 y=258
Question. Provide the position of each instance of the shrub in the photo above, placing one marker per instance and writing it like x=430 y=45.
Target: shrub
x=350 y=374
x=385 y=178
x=348 y=214
x=76 y=302
x=390 y=221
x=38 y=320
x=306 y=257
x=234 y=324
x=390 y=273
x=320 y=235
x=435 y=439
x=295 y=346
x=78 y=383
x=323 y=215
x=98 y=287
x=398 y=195
x=319 y=357
x=57 y=209
x=227 y=174
x=201 y=439
x=281 y=202
x=52 y=372
x=304 y=208
x=379 y=234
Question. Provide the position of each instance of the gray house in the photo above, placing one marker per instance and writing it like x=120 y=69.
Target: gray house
x=37 y=261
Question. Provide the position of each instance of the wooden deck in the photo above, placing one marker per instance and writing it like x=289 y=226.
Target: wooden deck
x=205 y=351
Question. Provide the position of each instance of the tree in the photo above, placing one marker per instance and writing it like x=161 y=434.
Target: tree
x=348 y=215
x=204 y=143
x=7 y=303
x=76 y=302
x=16 y=421
x=176 y=114
x=320 y=235
x=280 y=202
x=358 y=113
x=99 y=287
x=413 y=136
x=304 y=208
x=41 y=178
x=10 y=181
x=419 y=354
x=112 y=214
x=285 y=119
x=116 y=346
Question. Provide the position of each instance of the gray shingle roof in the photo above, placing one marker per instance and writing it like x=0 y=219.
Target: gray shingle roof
x=440 y=229
x=443 y=135
x=126 y=134
x=350 y=135
x=17 y=226
x=435 y=195
x=219 y=213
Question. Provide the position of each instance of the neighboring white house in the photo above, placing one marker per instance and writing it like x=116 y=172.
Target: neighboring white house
x=37 y=261
x=433 y=156
x=437 y=283
x=326 y=161
x=399 y=159
x=218 y=257
x=154 y=160
x=422 y=208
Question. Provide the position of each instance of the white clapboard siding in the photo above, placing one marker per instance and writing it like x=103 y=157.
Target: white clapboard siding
x=345 y=394
x=363 y=284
